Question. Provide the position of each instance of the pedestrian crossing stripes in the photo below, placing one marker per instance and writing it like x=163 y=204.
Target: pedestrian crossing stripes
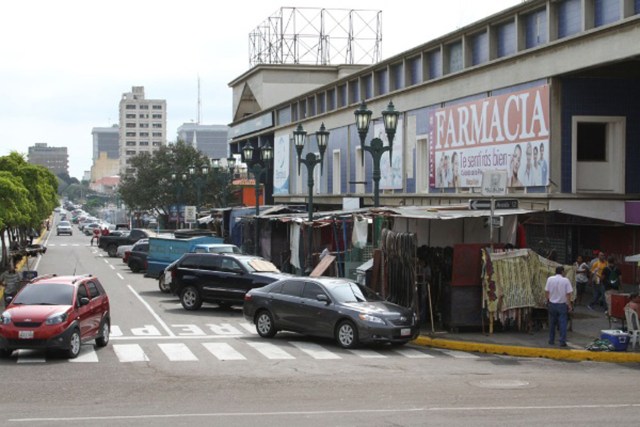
x=236 y=351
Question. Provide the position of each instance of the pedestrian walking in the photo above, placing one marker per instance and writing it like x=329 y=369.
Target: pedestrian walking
x=597 y=268
x=558 y=291
x=582 y=278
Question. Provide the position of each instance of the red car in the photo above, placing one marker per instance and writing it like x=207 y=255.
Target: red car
x=56 y=312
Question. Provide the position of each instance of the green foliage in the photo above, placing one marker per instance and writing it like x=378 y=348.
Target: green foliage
x=152 y=186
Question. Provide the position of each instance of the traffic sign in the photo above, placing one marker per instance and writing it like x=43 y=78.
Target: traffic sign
x=479 y=204
x=506 y=204
x=497 y=221
x=189 y=214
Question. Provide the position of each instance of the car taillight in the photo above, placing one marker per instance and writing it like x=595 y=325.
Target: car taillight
x=247 y=297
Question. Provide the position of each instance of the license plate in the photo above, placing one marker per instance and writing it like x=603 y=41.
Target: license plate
x=405 y=331
x=25 y=335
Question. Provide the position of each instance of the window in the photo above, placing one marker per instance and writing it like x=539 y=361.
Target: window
x=131 y=143
x=397 y=80
x=414 y=66
x=592 y=142
x=536 y=29
x=292 y=288
x=454 y=57
x=93 y=290
x=144 y=125
x=144 y=107
x=606 y=12
x=321 y=102
x=82 y=292
x=569 y=18
x=144 y=143
x=354 y=92
x=157 y=143
x=381 y=82
x=131 y=152
x=156 y=116
x=130 y=107
x=479 y=48
x=506 y=39
x=143 y=116
x=157 y=107
x=311 y=106
x=342 y=95
x=130 y=134
x=331 y=99
x=367 y=86
x=130 y=125
x=130 y=116
x=284 y=115
x=311 y=291
x=190 y=262
x=156 y=134
x=210 y=263
x=435 y=64
x=231 y=266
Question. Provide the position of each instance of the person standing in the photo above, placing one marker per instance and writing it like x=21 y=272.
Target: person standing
x=582 y=278
x=597 y=269
x=558 y=291
x=96 y=236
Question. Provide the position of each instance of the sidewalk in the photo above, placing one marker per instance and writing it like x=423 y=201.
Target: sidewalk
x=586 y=327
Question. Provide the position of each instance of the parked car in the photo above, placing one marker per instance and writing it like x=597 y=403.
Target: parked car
x=64 y=227
x=222 y=279
x=56 y=312
x=88 y=228
x=122 y=249
x=110 y=243
x=329 y=307
x=137 y=259
x=164 y=279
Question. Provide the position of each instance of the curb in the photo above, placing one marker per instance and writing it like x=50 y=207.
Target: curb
x=512 y=350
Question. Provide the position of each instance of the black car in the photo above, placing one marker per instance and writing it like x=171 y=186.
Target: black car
x=137 y=260
x=222 y=279
x=329 y=307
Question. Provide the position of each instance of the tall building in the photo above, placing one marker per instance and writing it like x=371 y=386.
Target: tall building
x=211 y=140
x=106 y=139
x=55 y=159
x=143 y=124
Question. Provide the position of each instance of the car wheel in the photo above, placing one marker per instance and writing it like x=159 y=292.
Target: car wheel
x=112 y=250
x=134 y=266
x=347 y=334
x=264 y=324
x=163 y=285
x=190 y=298
x=103 y=339
x=74 y=345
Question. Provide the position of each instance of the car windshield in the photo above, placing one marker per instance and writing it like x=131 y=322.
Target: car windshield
x=64 y=224
x=45 y=294
x=259 y=265
x=352 y=292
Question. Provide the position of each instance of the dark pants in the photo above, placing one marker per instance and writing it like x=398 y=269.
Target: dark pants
x=598 y=294
x=558 y=316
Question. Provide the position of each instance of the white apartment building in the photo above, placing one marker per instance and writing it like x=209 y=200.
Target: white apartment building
x=143 y=126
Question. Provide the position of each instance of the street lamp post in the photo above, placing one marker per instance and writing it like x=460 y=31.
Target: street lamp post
x=377 y=148
x=199 y=180
x=178 y=179
x=228 y=178
x=310 y=161
x=257 y=168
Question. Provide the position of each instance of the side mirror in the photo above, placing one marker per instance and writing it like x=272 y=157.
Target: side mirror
x=323 y=298
x=84 y=301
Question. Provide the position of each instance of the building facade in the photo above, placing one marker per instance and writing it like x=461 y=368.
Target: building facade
x=545 y=92
x=211 y=140
x=143 y=126
x=107 y=140
x=56 y=159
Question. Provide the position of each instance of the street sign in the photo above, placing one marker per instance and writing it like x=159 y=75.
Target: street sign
x=482 y=204
x=506 y=204
x=478 y=204
x=497 y=221
x=189 y=214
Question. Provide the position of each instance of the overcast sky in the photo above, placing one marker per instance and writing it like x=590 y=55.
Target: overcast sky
x=65 y=64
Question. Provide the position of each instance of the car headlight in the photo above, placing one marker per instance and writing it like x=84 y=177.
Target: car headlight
x=370 y=318
x=54 y=319
x=5 y=318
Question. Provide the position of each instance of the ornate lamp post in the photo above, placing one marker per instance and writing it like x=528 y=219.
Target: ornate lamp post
x=310 y=161
x=228 y=177
x=179 y=180
x=199 y=179
x=376 y=147
x=257 y=168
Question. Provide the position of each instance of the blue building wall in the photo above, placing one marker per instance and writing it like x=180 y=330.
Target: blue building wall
x=602 y=97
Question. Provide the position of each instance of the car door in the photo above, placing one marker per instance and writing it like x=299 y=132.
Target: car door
x=84 y=312
x=209 y=278
x=318 y=317
x=96 y=308
x=285 y=305
x=233 y=280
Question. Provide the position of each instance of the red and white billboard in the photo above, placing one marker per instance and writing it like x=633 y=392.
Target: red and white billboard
x=506 y=132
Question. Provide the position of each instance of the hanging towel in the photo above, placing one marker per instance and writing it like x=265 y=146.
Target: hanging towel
x=294 y=245
x=360 y=229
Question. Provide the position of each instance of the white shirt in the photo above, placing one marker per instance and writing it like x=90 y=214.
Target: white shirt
x=558 y=287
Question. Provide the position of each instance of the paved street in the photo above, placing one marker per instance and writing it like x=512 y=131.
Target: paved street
x=166 y=366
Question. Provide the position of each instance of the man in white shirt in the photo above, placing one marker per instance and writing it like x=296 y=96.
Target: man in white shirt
x=558 y=291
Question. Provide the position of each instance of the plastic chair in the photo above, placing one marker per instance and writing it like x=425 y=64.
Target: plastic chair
x=633 y=326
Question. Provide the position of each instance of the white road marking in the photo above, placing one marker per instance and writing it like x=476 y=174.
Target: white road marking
x=177 y=352
x=459 y=354
x=87 y=354
x=120 y=276
x=249 y=327
x=115 y=331
x=271 y=351
x=223 y=351
x=153 y=313
x=30 y=356
x=112 y=267
x=413 y=354
x=106 y=261
x=130 y=353
x=315 y=351
x=368 y=354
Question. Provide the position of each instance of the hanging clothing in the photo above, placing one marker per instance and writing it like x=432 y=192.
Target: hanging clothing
x=360 y=230
x=294 y=245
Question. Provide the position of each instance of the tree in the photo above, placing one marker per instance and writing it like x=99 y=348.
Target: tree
x=151 y=187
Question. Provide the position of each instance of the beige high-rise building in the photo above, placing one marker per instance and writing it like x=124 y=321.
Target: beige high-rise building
x=143 y=126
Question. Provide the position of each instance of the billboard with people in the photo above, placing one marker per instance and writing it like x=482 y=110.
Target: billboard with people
x=505 y=132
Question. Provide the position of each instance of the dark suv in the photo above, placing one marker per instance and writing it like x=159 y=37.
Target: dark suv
x=222 y=279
